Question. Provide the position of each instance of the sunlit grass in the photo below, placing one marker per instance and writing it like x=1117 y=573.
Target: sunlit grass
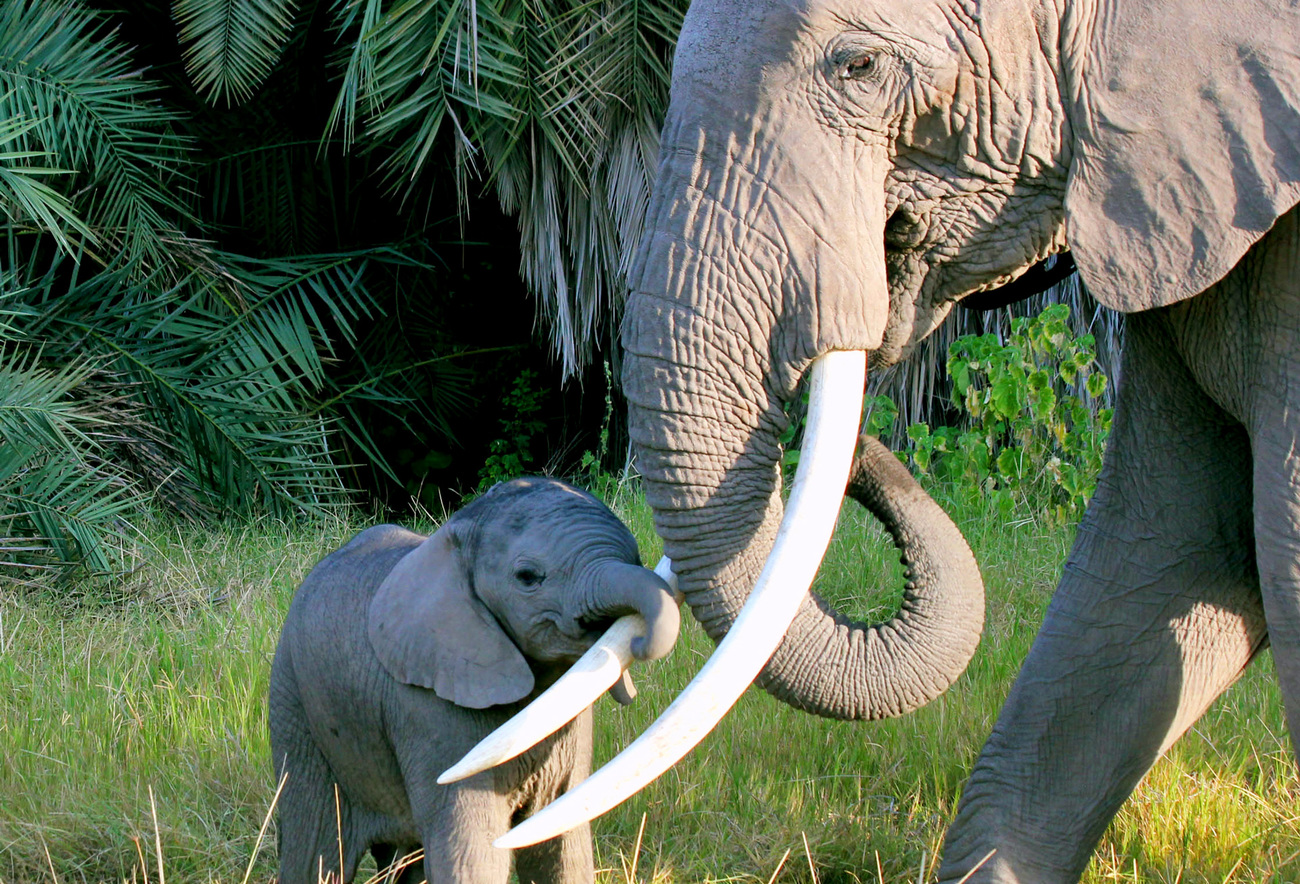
x=165 y=691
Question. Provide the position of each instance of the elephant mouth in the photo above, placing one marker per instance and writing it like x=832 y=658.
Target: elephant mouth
x=595 y=672
x=593 y=627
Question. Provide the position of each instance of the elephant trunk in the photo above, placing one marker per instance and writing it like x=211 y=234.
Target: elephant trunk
x=719 y=525
x=845 y=669
x=720 y=328
x=754 y=271
x=619 y=588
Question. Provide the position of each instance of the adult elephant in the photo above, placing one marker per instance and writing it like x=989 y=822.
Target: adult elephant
x=834 y=176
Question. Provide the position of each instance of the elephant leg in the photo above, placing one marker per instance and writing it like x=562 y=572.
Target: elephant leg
x=1157 y=612
x=1274 y=324
x=565 y=859
x=458 y=826
x=1277 y=532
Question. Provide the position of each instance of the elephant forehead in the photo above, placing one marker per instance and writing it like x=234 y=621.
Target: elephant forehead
x=717 y=34
x=566 y=521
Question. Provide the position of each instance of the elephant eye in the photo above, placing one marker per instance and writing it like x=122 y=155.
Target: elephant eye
x=859 y=67
x=529 y=577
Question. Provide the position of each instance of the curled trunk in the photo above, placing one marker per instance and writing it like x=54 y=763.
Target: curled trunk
x=715 y=490
x=621 y=588
x=836 y=667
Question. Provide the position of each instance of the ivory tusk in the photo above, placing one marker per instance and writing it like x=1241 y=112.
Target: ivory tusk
x=593 y=674
x=835 y=406
x=665 y=570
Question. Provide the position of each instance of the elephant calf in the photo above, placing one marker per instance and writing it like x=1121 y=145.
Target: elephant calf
x=401 y=651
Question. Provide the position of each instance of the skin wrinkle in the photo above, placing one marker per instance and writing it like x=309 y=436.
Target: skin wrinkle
x=766 y=197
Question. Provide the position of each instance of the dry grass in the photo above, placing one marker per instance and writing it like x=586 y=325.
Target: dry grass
x=164 y=693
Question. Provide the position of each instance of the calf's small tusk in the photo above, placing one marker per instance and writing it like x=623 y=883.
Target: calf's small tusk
x=835 y=406
x=593 y=674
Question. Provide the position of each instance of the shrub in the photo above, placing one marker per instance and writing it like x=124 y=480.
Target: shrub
x=1033 y=433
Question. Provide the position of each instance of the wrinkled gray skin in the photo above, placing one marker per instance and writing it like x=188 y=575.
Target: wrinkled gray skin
x=836 y=174
x=400 y=652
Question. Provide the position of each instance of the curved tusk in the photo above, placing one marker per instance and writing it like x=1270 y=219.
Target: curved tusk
x=835 y=406
x=665 y=570
x=593 y=674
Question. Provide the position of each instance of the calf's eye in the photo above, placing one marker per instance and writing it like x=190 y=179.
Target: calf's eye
x=529 y=577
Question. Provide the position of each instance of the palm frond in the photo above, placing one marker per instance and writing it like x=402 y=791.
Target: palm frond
x=556 y=102
x=91 y=112
x=233 y=369
x=60 y=499
x=25 y=200
x=231 y=45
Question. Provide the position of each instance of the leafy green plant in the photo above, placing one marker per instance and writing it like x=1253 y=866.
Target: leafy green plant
x=879 y=414
x=591 y=469
x=1033 y=434
x=183 y=375
x=512 y=453
x=61 y=494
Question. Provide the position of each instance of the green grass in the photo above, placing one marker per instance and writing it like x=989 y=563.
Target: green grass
x=164 y=692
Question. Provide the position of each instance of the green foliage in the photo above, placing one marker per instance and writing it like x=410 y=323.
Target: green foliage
x=230 y=45
x=879 y=414
x=1033 y=434
x=557 y=103
x=178 y=375
x=85 y=108
x=512 y=453
x=1034 y=428
x=591 y=469
x=61 y=495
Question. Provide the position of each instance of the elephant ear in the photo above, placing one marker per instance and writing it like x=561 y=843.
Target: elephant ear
x=428 y=629
x=1187 y=143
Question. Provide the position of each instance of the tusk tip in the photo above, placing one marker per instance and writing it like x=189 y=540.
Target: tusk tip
x=513 y=839
x=458 y=772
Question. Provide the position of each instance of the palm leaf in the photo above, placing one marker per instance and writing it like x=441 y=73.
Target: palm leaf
x=26 y=201
x=555 y=102
x=92 y=113
x=59 y=498
x=231 y=45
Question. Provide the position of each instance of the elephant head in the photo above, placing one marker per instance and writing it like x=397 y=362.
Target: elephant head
x=517 y=584
x=834 y=175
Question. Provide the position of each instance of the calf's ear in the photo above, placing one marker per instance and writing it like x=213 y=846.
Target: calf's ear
x=428 y=629
x=1186 y=148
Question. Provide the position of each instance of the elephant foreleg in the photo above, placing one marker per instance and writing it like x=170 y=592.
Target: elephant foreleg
x=457 y=827
x=1157 y=612
x=565 y=859
x=1272 y=325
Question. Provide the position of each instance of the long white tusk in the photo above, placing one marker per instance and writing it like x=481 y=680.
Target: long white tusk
x=835 y=405
x=593 y=674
